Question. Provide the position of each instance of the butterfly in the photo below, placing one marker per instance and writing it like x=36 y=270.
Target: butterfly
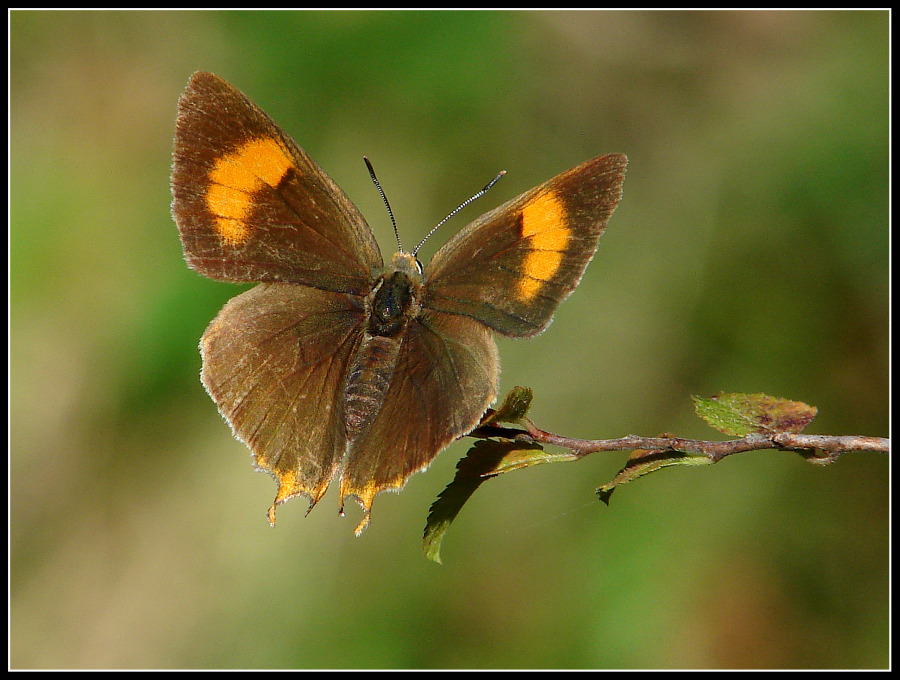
x=337 y=364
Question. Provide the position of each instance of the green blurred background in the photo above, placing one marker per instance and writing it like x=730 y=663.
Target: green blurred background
x=750 y=253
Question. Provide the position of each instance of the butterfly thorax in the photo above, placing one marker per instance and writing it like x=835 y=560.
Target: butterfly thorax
x=396 y=297
x=395 y=300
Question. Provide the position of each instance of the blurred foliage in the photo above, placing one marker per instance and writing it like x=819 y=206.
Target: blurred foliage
x=750 y=253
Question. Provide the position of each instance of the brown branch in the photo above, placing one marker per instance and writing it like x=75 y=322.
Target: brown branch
x=766 y=423
x=816 y=446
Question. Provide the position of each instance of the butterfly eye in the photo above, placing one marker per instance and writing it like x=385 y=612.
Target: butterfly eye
x=419 y=266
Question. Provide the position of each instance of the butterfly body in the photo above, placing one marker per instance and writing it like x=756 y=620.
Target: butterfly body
x=336 y=363
x=394 y=303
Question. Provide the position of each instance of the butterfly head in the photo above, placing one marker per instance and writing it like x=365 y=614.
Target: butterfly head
x=396 y=298
x=407 y=263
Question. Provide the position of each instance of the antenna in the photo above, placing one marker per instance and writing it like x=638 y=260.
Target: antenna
x=386 y=204
x=460 y=207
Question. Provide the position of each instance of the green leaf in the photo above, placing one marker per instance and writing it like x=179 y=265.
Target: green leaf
x=514 y=407
x=643 y=462
x=486 y=459
x=742 y=414
x=445 y=509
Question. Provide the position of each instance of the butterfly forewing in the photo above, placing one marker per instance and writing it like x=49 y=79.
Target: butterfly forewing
x=512 y=267
x=251 y=205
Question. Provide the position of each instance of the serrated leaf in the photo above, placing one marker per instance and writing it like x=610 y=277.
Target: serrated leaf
x=486 y=459
x=643 y=462
x=472 y=471
x=521 y=455
x=739 y=414
x=514 y=407
x=444 y=510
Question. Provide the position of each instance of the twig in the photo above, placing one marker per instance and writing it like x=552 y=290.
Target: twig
x=765 y=423
x=819 y=446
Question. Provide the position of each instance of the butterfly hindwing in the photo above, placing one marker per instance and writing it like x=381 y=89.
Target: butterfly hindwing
x=445 y=378
x=274 y=361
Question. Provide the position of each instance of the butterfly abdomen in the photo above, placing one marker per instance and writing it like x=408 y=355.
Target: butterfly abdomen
x=392 y=304
x=368 y=381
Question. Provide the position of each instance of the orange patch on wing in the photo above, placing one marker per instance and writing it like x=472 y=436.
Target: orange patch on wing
x=289 y=485
x=544 y=224
x=236 y=177
x=365 y=495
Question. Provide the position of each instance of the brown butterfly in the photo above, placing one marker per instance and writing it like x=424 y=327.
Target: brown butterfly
x=336 y=363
